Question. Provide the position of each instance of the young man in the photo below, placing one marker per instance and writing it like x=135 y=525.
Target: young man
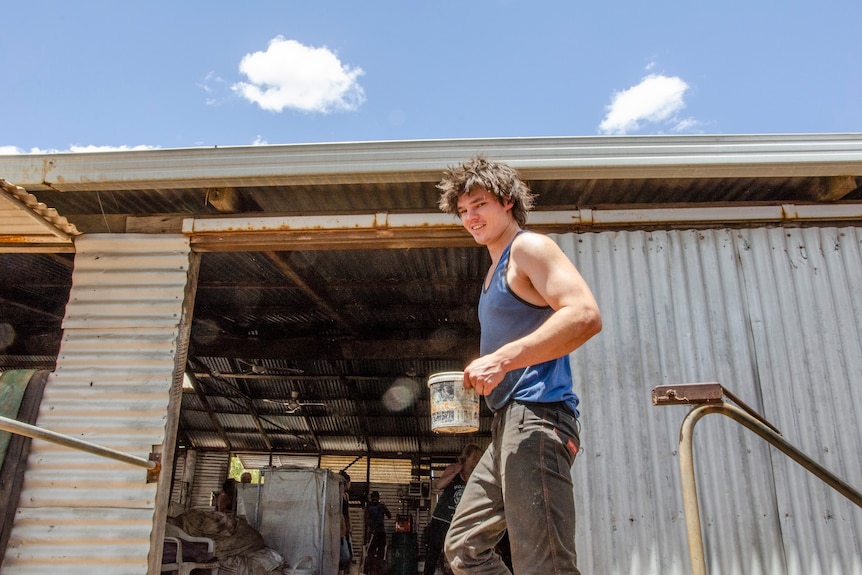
x=534 y=310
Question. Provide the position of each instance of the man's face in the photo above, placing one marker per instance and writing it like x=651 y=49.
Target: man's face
x=483 y=215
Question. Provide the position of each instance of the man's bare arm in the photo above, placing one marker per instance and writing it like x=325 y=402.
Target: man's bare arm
x=540 y=273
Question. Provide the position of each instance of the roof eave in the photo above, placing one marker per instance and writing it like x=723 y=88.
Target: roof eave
x=703 y=156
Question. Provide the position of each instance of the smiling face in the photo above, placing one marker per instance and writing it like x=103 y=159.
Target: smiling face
x=482 y=214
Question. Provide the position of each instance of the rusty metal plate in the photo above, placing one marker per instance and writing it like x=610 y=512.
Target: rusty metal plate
x=687 y=393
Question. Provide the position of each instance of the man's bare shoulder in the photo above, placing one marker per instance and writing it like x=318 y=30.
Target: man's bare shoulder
x=536 y=246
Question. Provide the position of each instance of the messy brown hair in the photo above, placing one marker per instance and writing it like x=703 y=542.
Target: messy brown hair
x=496 y=177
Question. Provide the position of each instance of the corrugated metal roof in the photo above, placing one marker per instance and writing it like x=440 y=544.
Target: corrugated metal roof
x=405 y=162
x=400 y=176
x=25 y=220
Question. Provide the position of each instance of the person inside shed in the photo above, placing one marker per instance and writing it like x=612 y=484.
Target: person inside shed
x=375 y=526
x=226 y=500
x=450 y=485
x=346 y=549
x=245 y=477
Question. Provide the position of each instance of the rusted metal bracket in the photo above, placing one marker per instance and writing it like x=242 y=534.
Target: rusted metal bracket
x=688 y=393
x=703 y=393
x=153 y=473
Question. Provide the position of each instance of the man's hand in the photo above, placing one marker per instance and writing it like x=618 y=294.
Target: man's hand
x=484 y=374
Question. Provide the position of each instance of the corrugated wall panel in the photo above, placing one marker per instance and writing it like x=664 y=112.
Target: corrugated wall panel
x=211 y=469
x=181 y=484
x=772 y=314
x=68 y=540
x=353 y=465
x=380 y=470
x=81 y=513
x=805 y=286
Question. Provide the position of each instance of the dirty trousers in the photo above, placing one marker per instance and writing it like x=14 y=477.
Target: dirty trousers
x=523 y=483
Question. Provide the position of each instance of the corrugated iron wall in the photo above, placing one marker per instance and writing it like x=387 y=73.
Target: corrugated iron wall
x=197 y=477
x=182 y=477
x=211 y=469
x=775 y=316
x=80 y=513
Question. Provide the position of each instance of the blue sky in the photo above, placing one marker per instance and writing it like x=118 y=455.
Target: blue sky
x=93 y=75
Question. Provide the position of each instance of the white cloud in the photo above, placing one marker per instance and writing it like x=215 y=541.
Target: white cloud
x=213 y=85
x=122 y=148
x=656 y=99
x=290 y=75
x=10 y=150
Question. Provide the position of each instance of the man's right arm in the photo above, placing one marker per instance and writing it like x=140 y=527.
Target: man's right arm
x=448 y=475
x=541 y=274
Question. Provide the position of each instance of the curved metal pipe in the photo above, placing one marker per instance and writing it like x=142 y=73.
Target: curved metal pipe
x=689 y=487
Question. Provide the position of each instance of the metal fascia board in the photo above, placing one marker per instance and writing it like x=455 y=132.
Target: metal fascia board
x=422 y=160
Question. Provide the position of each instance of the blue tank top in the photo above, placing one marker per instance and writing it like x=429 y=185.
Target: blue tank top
x=505 y=317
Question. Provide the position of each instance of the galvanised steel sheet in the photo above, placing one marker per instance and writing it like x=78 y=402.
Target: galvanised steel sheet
x=78 y=512
x=774 y=315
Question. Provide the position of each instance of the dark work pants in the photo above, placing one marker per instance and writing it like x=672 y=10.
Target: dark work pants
x=377 y=547
x=436 y=536
x=523 y=483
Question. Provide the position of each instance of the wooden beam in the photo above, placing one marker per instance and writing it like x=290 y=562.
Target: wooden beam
x=833 y=188
x=310 y=292
x=210 y=413
x=266 y=441
x=225 y=199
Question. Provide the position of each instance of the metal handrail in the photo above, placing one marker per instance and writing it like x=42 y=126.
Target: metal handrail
x=748 y=418
x=27 y=430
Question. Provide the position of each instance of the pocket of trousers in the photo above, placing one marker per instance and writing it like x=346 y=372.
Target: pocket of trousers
x=559 y=436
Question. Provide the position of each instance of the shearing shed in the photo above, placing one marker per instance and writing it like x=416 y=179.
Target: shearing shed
x=286 y=304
